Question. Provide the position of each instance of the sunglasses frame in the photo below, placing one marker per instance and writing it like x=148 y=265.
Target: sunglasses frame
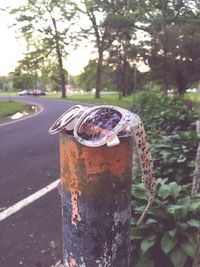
x=128 y=119
x=77 y=114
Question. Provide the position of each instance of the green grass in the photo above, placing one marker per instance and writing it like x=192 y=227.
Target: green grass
x=106 y=99
x=193 y=96
x=195 y=99
x=10 y=107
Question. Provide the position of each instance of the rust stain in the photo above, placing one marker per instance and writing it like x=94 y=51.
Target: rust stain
x=72 y=263
x=81 y=166
x=75 y=216
x=69 y=156
x=116 y=160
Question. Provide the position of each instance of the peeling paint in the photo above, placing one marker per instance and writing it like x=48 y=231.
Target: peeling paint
x=118 y=239
x=69 y=159
x=122 y=216
x=105 y=260
x=72 y=263
x=75 y=213
x=82 y=264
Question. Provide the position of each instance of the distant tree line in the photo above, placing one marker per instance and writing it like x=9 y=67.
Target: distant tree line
x=164 y=34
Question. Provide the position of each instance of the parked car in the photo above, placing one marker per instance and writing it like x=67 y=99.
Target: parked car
x=38 y=92
x=25 y=92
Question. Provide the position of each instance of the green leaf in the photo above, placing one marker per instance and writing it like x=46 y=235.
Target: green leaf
x=175 y=209
x=193 y=240
x=178 y=257
x=172 y=233
x=138 y=191
x=195 y=205
x=168 y=243
x=164 y=191
x=183 y=226
x=151 y=221
x=174 y=189
x=136 y=234
x=147 y=243
x=185 y=201
x=145 y=262
x=181 y=159
x=189 y=249
x=194 y=223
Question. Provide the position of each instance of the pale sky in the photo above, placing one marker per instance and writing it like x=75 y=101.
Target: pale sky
x=11 y=49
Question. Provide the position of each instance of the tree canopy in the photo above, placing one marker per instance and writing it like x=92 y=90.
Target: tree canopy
x=163 y=34
x=48 y=21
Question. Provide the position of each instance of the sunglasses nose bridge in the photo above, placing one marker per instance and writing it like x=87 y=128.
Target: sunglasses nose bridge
x=70 y=126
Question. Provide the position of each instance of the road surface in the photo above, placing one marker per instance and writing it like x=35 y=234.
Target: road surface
x=29 y=161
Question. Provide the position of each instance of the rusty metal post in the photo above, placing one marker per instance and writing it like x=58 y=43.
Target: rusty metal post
x=96 y=203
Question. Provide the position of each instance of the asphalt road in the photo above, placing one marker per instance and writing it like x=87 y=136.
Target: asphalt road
x=29 y=160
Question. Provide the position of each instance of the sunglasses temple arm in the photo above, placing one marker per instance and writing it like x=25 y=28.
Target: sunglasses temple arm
x=146 y=164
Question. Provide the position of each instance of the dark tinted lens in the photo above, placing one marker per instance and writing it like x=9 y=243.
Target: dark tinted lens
x=98 y=123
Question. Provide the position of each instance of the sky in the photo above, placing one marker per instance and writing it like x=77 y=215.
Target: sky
x=12 y=49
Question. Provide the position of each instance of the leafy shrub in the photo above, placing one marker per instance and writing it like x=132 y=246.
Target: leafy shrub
x=170 y=126
x=168 y=236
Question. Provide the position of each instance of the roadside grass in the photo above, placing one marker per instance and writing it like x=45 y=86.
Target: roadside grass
x=105 y=99
x=195 y=98
x=88 y=98
x=11 y=107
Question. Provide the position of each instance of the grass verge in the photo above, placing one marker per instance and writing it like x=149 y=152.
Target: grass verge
x=8 y=108
x=106 y=99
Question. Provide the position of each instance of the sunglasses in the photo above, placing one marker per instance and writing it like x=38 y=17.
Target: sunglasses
x=104 y=125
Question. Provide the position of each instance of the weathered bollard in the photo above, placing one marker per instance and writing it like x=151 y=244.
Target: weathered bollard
x=96 y=203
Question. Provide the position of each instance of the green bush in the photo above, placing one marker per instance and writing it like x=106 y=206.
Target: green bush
x=167 y=238
x=170 y=126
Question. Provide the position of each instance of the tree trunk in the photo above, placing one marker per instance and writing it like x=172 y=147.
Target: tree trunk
x=119 y=80
x=165 y=87
x=98 y=74
x=198 y=89
x=196 y=192
x=60 y=61
x=196 y=176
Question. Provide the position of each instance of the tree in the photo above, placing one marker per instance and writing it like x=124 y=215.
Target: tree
x=102 y=15
x=121 y=56
x=49 y=21
x=171 y=45
x=22 y=80
x=87 y=79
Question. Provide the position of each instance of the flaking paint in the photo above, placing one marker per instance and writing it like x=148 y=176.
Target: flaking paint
x=75 y=212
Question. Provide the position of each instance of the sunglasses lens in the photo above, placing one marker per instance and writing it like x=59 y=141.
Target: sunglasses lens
x=98 y=124
x=63 y=120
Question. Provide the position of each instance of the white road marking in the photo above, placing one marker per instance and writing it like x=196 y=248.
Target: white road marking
x=25 y=202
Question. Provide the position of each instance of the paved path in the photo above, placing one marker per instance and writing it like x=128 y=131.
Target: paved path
x=29 y=161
